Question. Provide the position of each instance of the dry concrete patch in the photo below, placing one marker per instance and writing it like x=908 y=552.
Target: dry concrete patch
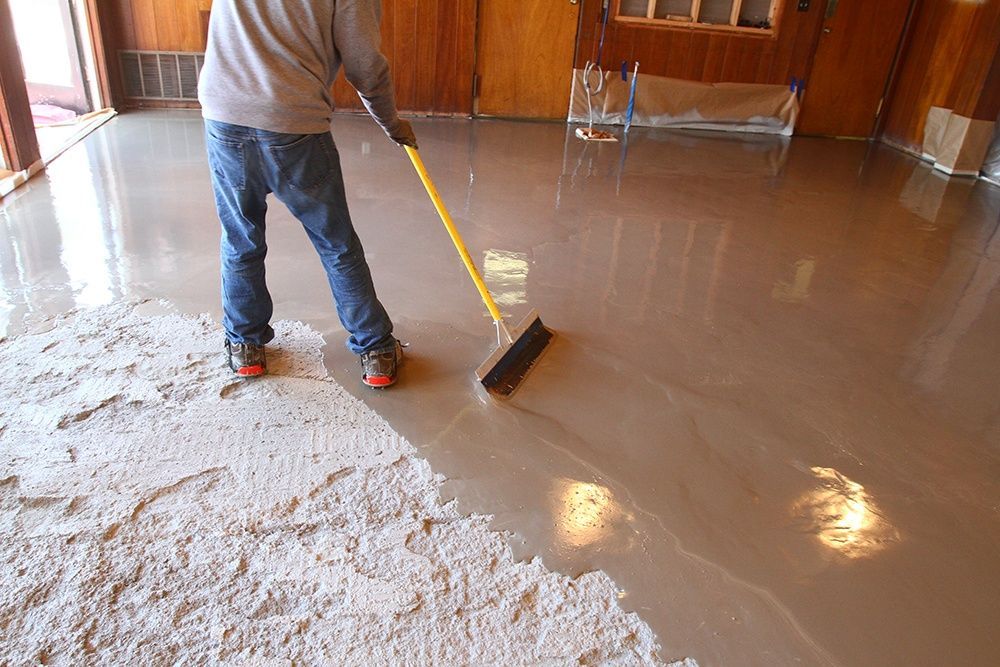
x=154 y=510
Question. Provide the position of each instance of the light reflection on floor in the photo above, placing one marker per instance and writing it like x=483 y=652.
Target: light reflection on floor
x=844 y=517
x=772 y=411
x=586 y=513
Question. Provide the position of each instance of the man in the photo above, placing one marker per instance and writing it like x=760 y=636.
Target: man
x=265 y=96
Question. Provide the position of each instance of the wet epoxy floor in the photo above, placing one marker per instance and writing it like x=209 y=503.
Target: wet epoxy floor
x=772 y=412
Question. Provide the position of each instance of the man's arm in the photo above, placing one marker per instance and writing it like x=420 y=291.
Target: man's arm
x=357 y=37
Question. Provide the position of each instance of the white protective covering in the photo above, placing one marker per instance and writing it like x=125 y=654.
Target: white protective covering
x=666 y=102
x=991 y=167
x=958 y=145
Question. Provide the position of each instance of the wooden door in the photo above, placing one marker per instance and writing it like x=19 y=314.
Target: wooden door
x=857 y=47
x=524 y=63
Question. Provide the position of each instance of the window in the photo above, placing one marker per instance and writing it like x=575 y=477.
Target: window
x=753 y=16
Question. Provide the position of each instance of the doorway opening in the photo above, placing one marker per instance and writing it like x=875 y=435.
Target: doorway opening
x=60 y=73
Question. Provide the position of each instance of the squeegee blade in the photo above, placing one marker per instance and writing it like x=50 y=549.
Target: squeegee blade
x=505 y=369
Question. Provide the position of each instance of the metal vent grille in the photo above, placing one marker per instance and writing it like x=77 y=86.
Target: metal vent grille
x=161 y=75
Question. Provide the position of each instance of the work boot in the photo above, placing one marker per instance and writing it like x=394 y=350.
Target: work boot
x=246 y=359
x=379 y=368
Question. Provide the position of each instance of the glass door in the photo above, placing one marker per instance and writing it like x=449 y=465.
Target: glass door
x=56 y=55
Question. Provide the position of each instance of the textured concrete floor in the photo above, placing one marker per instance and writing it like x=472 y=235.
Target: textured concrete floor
x=773 y=409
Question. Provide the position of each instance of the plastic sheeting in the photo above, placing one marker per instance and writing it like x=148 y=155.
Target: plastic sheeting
x=991 y=167
x=50 y=114
x=665 y=102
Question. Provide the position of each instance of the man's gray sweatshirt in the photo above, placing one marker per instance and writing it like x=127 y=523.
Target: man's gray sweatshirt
x=270 y=63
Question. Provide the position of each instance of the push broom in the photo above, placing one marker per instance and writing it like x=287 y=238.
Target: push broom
x=518 y=348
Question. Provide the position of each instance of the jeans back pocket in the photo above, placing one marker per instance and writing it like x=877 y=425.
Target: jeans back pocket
x=307 y=162
x=227 y=160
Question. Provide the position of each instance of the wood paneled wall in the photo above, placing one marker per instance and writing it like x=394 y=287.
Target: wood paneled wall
x=430 y=45
x=150 y=25
x=159 y=25
x=989 y=101
x=701 y=55
x=949 y=60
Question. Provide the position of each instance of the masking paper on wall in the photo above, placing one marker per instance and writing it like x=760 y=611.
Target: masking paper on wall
x=934 y=127
x=666 y=102
x=958 y=145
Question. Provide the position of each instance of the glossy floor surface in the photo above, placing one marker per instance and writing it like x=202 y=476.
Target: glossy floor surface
x=772 y=412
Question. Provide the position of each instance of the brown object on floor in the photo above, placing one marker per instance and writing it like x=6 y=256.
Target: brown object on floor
x=590 y=134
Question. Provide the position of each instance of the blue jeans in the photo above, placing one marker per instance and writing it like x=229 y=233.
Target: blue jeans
x=303 y=172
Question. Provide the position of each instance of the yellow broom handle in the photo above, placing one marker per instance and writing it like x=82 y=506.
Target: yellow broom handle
x=418 y=164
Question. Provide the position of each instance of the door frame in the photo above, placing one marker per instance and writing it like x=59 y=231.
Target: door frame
x=897 y=62
x=18 y=142
x=98 y=53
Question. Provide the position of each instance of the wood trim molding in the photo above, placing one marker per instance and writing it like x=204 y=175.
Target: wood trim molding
x=649 y=20
x=97 y=45
x=701 y=27
x=17 y=129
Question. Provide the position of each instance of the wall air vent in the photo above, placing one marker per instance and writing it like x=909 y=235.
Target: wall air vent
x=161 y=75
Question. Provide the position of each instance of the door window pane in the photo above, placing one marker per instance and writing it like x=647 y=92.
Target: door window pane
x=716 y=11
x=633 y=8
